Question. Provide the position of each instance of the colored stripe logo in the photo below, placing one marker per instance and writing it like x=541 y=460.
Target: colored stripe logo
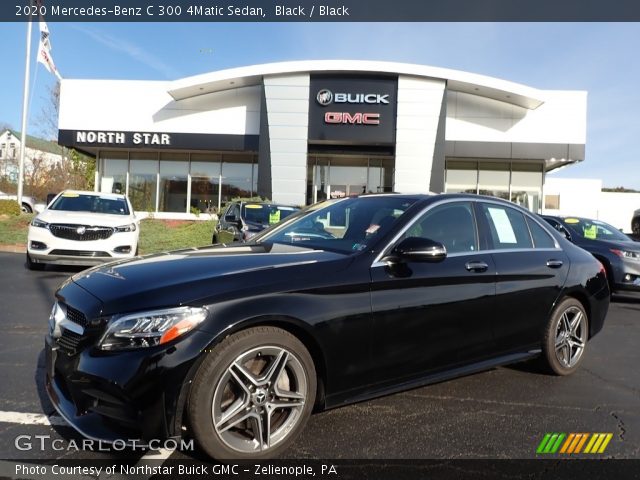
x=574 y=443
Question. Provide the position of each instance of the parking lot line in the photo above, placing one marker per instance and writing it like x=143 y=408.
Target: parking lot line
x=31 y=419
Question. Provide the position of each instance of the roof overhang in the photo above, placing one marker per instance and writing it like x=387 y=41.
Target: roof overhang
x=489 y=87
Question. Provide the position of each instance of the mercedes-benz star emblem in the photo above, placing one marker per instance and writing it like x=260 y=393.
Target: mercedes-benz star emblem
x=324 y=97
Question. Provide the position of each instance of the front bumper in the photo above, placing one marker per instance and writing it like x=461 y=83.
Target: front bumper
x=626 y=275
x=136 y=395
x=73 y=252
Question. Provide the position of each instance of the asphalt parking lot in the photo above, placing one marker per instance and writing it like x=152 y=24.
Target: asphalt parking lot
x=501 y=413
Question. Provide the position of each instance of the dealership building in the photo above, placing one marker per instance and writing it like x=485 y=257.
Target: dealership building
x=300 y=132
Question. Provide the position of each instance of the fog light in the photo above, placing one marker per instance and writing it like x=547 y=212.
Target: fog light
x=123 y=249
x=38 y=245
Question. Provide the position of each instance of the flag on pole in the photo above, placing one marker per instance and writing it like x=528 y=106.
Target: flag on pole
x=44 y=51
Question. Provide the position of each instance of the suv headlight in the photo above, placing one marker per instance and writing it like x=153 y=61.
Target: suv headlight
x=148 y=329
x=36 y=222
x=126 y=228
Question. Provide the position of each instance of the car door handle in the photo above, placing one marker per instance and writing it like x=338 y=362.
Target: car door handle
x=476 y=266
x=554 y=263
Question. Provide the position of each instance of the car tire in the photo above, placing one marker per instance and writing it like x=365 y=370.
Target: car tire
x=26 y=208
x=565 y=337
x=252 y=395
x=214 y=239
x=31 y=265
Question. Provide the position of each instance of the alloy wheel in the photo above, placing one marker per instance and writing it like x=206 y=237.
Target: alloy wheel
x=259 y=399
x=571 y=336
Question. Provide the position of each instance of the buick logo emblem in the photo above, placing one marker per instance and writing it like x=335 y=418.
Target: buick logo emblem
x=324 y=97
x=81 y=230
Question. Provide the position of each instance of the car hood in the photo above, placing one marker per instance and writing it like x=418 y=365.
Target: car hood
x=85 y=218
x=199 y=275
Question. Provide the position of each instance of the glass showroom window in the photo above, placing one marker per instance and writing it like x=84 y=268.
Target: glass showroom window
x=493 y=179
x=143 y=178
x=237 y=176
x=114 y=172
x=174 y=168
x=205 y=175
x=526 y=185
x=462 y=176
x=348 y=176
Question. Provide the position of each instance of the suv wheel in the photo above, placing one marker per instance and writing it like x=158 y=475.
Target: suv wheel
x=31 y=265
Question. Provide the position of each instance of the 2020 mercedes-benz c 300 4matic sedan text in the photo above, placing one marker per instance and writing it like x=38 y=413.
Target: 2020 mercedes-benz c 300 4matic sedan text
x=239 y=343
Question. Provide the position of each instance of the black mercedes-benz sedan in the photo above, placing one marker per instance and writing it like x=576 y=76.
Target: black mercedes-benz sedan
x=346 y=300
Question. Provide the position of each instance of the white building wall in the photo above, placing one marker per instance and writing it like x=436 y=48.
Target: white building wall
x=562 y=118
x=419 y=106
x=287 y=101
x=617 y=208
x=145 y=106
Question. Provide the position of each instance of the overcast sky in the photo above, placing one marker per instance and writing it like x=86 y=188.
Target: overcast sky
x=600 y=58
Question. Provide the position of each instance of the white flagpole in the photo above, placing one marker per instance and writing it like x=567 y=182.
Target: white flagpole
x=25 y=103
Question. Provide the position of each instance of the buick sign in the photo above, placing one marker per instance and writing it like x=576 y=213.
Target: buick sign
x=326 y=97
x=347 y=109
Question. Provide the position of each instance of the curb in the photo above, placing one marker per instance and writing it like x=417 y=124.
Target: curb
x=13 y=248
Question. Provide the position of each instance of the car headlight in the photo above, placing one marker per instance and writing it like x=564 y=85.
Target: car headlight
x=626 y=253
x=36 y=222
x=126 y=228
x=148 y=329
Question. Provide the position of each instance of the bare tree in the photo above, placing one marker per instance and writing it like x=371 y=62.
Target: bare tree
x=48 y=118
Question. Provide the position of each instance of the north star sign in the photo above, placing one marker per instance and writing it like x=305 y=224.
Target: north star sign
x=121 y=138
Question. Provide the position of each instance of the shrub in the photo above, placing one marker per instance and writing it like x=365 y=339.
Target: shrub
x=9 y=207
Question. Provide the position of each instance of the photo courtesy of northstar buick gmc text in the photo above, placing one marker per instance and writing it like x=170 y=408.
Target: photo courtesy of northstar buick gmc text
x=345 y=300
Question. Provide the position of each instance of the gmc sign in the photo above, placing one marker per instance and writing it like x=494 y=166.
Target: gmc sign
x=357 y=118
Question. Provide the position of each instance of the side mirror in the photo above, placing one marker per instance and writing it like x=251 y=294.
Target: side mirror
x=417 y=249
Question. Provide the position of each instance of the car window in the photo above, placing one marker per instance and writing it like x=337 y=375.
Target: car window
x=594 y=229
x=451 y=224
x=344 y=225
x=508 y=228
x=266 y=214
x=541 y=239
x=77 y=202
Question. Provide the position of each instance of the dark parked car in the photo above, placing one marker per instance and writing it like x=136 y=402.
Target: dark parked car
x=242 y=220
x=239 y=343
x=635 y=224
x=619 y=254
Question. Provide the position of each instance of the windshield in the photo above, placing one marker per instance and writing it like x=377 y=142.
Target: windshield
x=77 y=202
x=595 y=229
x=344 y=225
x=266 y=214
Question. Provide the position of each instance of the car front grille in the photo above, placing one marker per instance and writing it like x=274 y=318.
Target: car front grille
x=77 y=316
x=79 y=253
x=69 y=341
x=80 y=232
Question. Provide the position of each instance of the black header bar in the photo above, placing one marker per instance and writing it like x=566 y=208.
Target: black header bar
x=323 y=10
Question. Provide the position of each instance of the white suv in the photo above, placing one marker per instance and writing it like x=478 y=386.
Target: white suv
x=83 y=228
